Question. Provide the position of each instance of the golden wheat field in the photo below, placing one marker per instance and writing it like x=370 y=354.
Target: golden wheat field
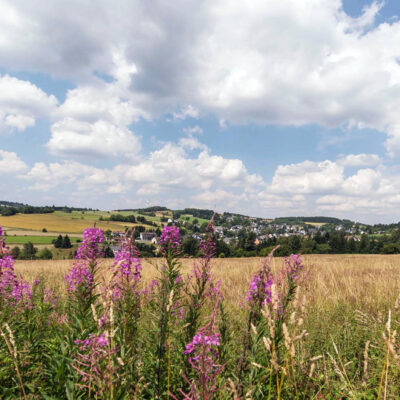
x=56 y=222
x=368 y=282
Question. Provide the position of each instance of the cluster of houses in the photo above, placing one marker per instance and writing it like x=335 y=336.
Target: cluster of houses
x=149 y=237
x=116 y=237
x=262 y=230
x=265 y=231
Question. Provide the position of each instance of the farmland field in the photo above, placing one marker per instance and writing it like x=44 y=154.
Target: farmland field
x=61 y=222
x=351 y=280
x=34 y=239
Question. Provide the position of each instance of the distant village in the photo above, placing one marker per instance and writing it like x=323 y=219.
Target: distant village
x=231 y=229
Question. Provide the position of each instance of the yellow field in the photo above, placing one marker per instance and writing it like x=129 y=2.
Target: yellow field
x=368 y=282
x=57 y=222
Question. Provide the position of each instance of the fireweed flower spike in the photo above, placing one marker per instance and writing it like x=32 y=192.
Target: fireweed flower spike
x=259 y=291
x=170 y=239
x=203 y=357
x=13 y=289
x=91 y=362
x=91 y=248
x=127 y=268
x=82 y=273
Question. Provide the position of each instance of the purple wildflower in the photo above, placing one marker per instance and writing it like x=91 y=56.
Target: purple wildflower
x=127 y=266
x=90 y=361
x=80 y=277
x=200 y=340
x=260 y=288
x=92 y=342
x=293 y=265
x=13 y=289
x=90 y=249
x=203 y=358
x=49 y=298
x=170 y=239
x=208 y=247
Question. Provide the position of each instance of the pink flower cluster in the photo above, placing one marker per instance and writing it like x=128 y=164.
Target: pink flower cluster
x=170 y=238
x=203 y=351
x=293 y=266
x=92 y=342
x=128 y=268
x=200 y=340
x=12 y=289
x=89 y=363
x=208 y=247
x=80 y=276
x=90 y=249
x=260 y=288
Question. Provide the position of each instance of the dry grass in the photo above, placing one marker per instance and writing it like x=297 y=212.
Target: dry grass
x=369 y=282
x=27 y=232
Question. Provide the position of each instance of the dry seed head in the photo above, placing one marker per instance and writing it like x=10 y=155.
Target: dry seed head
x=94 y=313
x=274 y=361
x=254 y=329
x=292 y=319
x=267 y=343
x=12 y=340
x=274 y=297
x=266 y=312
x=365 y=378
x=392 y=351
x=286 y=336
x=120 y=362
x=301 y=336
x=295 y=306
x=312 y=368
x=233 y=389
x=248 y=394
x=171 y=296
x=334 y=346
x=257 y=365
x=316 y=358
x=111 y=314
x=389 y=321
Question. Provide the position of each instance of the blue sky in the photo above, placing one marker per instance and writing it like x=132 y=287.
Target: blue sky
x=285 y=107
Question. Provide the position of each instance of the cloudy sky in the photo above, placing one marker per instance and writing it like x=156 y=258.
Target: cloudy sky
x=264 y=107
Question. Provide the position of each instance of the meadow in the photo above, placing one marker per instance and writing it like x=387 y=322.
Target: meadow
x=319 y=327
x=34 y=239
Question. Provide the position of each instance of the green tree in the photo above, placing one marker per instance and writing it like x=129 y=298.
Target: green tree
x=364 y=244
x=323 y=248
x=390 y=248
x=15 y=252
x=29 y=251
x=66 y=243
x=351 y=246
x=59 y=242
x=295 y=243
x=284 y=250
x=190 y=246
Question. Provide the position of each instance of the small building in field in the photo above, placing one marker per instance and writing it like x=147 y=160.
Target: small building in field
x=155 y=240
x=147 y=236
